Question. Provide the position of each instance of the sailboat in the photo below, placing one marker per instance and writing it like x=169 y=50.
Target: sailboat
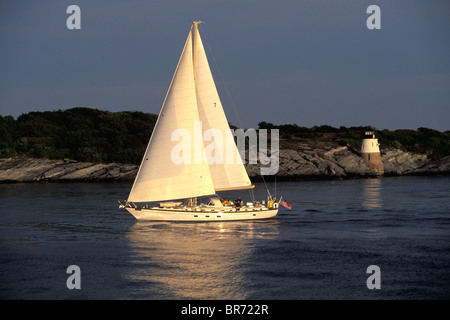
x=174 y=178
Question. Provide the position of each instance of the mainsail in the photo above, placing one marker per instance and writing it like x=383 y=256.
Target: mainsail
x=192 y=99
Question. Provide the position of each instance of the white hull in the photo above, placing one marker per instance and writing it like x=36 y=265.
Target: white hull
x=193 y=214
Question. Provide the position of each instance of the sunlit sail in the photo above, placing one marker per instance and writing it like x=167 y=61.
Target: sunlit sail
x=177 y=167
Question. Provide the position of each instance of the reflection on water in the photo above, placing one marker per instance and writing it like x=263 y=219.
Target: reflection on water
x=371 y=189
x=195 y=261
x=372 y=193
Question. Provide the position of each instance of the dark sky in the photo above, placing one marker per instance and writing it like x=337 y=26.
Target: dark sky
x=308 y=62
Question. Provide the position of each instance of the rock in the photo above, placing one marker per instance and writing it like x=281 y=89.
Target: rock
x=345 y=162
x=354 y=165
x=398 y=162
x=32 y=170
x=440 y=167
x=336 y=163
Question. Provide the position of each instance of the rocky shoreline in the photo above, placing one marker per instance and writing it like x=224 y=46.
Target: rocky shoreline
x=303 y=164
x=346 y=163
x=38 y=170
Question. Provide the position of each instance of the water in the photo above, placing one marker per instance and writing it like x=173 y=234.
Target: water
x=319 y=250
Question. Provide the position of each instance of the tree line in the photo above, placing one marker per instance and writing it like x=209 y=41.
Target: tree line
x=81 y=134
x=93 y=135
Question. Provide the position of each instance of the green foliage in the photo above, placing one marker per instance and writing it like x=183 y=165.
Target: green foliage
x=82 y=134
x=434 y=143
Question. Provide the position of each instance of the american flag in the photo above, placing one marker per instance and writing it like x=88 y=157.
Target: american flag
x=285 y=204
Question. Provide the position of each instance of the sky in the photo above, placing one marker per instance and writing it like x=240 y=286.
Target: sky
x=304 y=62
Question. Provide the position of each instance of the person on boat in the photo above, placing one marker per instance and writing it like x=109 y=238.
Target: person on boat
x=238 y=203
x=226 y=202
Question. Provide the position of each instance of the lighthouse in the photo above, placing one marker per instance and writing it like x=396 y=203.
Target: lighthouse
x=370 y=151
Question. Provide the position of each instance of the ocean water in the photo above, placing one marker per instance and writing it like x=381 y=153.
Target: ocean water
x=320 y=249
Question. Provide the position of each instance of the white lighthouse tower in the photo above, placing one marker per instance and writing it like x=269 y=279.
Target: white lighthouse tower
x=370 y=151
